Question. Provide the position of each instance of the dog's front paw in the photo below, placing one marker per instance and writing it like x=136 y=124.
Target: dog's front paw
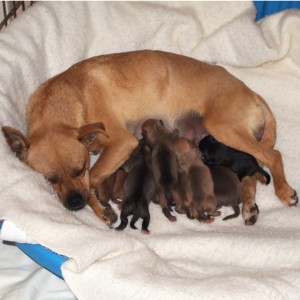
x=103 y=211
x=109 y=215
x=250 y=214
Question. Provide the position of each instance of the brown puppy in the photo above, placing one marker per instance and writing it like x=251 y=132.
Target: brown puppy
x=227 y=188
x=139 y=188
x=164 y=164
x=195 y=176
x=112 y=188
x=122 y=91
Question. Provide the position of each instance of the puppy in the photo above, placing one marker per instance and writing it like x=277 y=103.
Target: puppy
x=164 y=163
x=195 y=176
x=243 y=164
x=67 y=113
x=112 y=188
x=227 y=189
x=139 y=188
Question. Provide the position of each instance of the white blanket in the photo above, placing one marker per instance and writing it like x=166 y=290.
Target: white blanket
x=186 y=259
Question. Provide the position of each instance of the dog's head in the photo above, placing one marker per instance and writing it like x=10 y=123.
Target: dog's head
x=62 y=156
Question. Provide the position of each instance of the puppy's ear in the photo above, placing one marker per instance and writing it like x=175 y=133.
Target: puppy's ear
x=16 y=141
x=88 y=133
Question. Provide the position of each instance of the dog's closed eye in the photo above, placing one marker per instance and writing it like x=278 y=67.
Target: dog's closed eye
x=53 y=179
x=79 y=172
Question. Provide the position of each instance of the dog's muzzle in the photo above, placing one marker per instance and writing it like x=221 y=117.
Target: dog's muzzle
x=75 y=202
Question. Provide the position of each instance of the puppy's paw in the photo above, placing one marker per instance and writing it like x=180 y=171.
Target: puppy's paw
x=172 y=218
x=206 y=220
x=250 y=215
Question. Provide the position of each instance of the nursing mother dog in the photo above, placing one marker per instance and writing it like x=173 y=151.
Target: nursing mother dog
x=90 y=107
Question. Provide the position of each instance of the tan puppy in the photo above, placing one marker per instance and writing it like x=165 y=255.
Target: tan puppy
x=197 y=181
x=122 y=91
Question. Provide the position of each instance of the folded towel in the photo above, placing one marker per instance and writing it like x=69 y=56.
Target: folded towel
x=12 y=233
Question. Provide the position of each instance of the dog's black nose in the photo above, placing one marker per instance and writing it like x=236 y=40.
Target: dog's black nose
x=75 y=202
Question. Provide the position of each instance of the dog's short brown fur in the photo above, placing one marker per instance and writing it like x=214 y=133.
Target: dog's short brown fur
x=197 y=181
x=122 y=91
x=227 y=188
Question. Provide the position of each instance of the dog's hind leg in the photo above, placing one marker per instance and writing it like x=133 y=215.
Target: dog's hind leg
x=163 y=201
x=146 y=221
x=135 y=217
x=243 y=140
x=253 y=130
x=124 y=221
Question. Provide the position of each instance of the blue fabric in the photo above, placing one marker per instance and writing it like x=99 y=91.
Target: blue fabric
x=266 y=8
x=45 y=257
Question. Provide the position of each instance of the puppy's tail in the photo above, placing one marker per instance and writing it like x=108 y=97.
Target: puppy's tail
x=266 y=175
x=236 y=213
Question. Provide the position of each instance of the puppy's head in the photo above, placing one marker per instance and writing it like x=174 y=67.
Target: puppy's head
x=210 y=149
x=151 y=128
x=62 y=156
x=183 y=146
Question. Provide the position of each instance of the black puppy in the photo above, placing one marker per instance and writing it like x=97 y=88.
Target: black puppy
x=139 y=188
x=243 y=164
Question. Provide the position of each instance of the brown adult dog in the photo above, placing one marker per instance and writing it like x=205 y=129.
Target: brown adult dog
x=122 y=91
x=197 y=181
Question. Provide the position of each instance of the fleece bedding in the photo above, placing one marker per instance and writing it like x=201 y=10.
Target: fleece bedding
x=180 y=260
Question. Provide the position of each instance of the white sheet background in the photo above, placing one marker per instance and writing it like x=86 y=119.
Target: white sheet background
x=185 y=260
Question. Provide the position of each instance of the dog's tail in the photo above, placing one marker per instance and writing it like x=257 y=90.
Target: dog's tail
x=236 y=209
x=265 y=174
x=269 y=133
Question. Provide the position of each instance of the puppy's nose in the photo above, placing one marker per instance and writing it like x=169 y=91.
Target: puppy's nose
x=75 y=202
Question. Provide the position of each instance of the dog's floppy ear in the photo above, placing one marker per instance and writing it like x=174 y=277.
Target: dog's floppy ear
x=16 y=141
x=88 y=133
